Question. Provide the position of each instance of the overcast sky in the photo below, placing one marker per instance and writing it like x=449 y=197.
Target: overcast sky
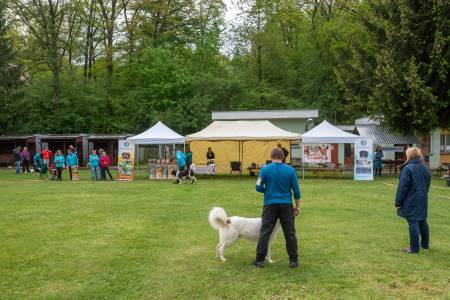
x=231 y=11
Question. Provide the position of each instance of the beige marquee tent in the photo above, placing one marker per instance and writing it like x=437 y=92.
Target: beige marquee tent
x=244 y=141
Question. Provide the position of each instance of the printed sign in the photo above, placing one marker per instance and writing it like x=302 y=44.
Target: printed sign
x=363 y=159
x=125 y=160
x=317 y=153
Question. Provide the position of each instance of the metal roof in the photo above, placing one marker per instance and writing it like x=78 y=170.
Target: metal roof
x=108 y=136
x=59 y=136
x=381 y=136
x=14 y=137
x=367 y=121
x=348 y=128
x=264 y=114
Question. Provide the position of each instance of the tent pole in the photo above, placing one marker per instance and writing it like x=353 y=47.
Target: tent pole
x=303 y=165
x=242 y=156
x=137 y=159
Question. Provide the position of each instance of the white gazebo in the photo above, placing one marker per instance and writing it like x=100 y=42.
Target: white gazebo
x=159 y=134
x=326 y=133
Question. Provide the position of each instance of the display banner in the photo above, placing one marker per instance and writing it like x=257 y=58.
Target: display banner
x=125 y=160
x=363 y=159
x=317 y=153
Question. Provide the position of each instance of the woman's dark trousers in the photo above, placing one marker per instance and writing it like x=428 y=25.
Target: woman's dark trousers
x=271 y=213
x=59 y=172
x=103 y=172
x=417 y=228
x=25 y=164
x=70 y=172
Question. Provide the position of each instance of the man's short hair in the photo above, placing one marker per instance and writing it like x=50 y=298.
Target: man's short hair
x=277 y=154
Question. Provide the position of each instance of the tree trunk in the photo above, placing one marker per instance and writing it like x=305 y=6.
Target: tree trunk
x=89 y=37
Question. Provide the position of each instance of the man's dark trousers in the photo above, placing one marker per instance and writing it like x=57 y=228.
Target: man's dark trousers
x=271 y=213
x=416 y=228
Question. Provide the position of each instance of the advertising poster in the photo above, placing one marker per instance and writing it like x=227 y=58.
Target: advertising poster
x=125 y=160
x=363 y=159
x=317 y=153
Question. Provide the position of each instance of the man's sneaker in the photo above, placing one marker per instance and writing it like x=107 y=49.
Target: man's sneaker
x=258 y=264
x=293 y=264
x=409 y=251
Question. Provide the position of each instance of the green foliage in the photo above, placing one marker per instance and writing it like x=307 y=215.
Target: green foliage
x=120 y=66
x=411 y=80
x=10 y=74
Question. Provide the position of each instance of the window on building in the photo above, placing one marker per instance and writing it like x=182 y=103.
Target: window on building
x=445 y=143
x=400 y=155
x=426 y=144
x=442 y=147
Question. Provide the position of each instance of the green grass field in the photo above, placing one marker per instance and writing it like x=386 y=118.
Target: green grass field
x=116 y=240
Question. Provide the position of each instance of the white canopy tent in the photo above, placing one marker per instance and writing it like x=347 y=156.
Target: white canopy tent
x=326 y=133
x=159 y=134
x=242 y=130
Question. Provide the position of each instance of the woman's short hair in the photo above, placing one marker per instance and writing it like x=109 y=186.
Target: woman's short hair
x=277 y=154
x=413 y=152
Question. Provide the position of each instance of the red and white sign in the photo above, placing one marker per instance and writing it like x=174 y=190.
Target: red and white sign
x=317 y=153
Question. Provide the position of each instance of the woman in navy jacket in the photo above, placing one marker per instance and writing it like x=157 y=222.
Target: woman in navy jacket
x=412 y=198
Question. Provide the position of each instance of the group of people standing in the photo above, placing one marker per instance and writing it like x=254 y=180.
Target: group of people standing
x=99 y=165
x=43 y=163
x=22 y=158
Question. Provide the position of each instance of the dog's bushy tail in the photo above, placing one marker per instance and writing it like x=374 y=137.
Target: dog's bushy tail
x=218 y=218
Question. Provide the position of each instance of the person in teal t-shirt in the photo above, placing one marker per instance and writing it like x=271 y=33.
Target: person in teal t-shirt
x=279 y=184
x=94 y=162
x=181 y=160
x=37 y=160
x=59 y=162
x=72 y=162
x=188 y=156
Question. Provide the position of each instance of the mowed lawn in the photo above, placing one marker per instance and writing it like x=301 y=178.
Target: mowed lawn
x=116 y=240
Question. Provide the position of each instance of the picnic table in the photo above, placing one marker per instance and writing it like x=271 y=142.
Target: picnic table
x=321 y=169
x=393 y=164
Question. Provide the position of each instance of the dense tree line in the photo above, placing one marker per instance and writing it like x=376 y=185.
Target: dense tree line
x=120 y=65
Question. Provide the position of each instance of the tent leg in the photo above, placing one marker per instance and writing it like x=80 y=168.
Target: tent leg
x=303 y=165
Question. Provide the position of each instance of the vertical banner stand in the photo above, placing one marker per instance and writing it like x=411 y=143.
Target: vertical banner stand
x=125 y=160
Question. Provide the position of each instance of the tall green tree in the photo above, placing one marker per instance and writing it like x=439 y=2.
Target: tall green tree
x=412 y=75
x=49 y=29
x=10 y=77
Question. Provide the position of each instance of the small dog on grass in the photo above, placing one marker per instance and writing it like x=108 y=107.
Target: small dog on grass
x=231 y=228
x=186 y=174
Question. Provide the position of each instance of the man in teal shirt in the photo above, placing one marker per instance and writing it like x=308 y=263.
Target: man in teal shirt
x=279 y=183
x=71 y=161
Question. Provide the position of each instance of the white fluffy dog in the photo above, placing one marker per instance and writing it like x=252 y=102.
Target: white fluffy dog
x=231 y=228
